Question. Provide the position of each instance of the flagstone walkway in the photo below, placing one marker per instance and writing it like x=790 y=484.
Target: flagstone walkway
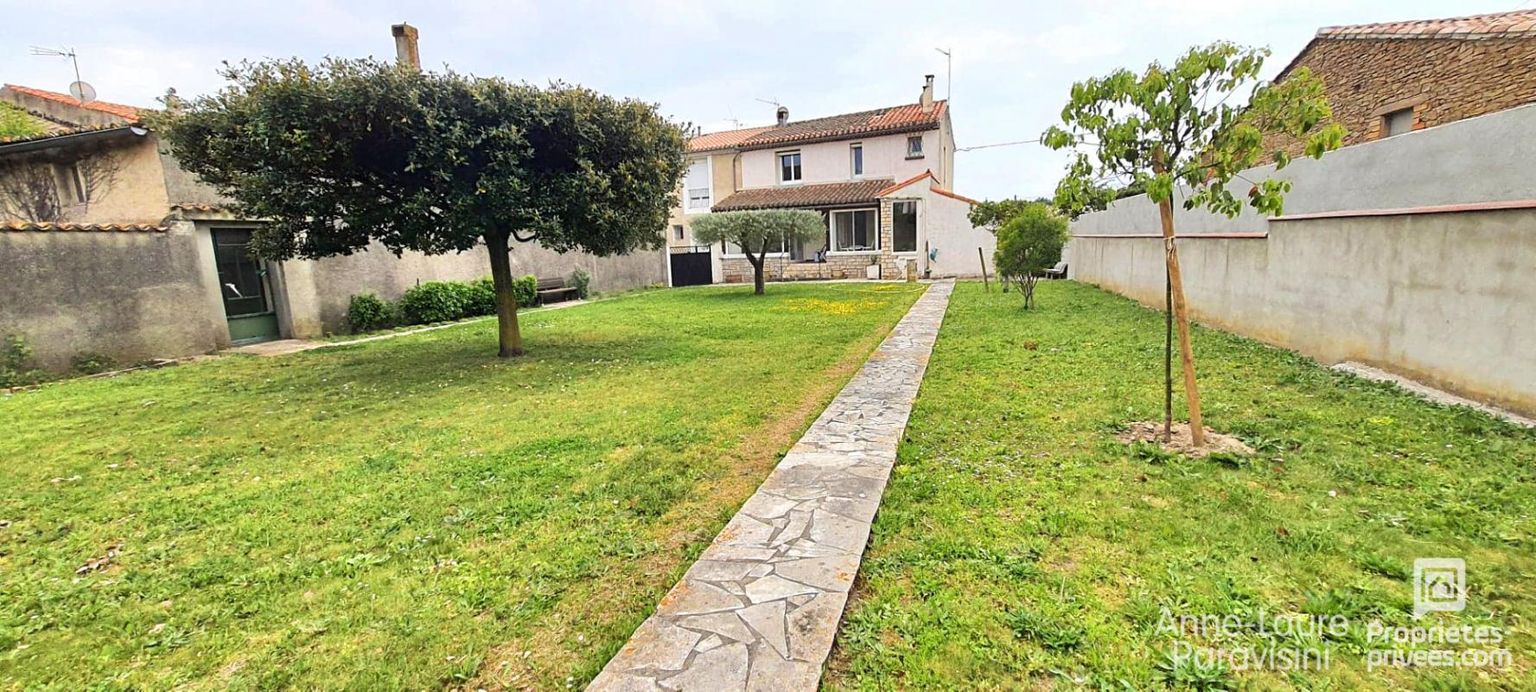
x=760 y=608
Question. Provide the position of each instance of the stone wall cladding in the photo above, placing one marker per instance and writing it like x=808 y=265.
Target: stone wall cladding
x=1456 y=79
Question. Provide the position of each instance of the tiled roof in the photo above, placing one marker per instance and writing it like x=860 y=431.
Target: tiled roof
x=108 y=227
x=722 y=140
x=117 y=109
x=881 y=121
x=1501 y=24
x=801 y=196
x=933 y=184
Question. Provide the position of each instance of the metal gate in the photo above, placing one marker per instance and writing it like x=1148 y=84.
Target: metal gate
x=691 y=266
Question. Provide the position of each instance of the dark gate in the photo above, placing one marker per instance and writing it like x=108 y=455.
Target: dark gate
x=691 y=266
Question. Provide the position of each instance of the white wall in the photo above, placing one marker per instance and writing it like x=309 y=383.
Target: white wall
x=943 y=225
x=828 y=162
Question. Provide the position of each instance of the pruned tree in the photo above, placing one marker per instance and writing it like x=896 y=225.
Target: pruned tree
x=756 y=232
x=353 y=152
x=1173 y=126
x=1029 y=243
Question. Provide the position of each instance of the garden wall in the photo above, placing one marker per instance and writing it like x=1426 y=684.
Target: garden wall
x=1438 y=283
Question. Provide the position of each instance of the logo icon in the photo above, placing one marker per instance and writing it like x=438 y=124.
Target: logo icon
x=1439 y=585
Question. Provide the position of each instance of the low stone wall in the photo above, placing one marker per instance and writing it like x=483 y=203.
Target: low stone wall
x=739 y=270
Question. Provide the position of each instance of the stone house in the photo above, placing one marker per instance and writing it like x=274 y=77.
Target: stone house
x=881 y=179
x=1389 y=78
x=109 y=248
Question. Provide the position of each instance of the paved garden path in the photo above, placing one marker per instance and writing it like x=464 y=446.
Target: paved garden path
x=760 y=608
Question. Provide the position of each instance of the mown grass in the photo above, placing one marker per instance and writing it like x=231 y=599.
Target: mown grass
x=408 y=513
x=1019 y=545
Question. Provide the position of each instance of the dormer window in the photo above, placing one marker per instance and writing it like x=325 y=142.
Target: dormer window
x=789 y=167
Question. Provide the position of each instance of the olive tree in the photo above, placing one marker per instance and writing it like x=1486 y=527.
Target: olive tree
x=1029 y=243
x=755 y=232
x=349 y=153
x=1198 y=123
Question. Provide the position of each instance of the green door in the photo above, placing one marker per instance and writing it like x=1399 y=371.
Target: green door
x=244 y=286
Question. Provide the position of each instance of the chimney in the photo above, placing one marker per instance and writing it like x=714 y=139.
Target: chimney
x=783 y=116
x=927 y=98
x=406 y=52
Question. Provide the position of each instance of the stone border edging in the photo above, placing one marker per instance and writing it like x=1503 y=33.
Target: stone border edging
x=760 y=608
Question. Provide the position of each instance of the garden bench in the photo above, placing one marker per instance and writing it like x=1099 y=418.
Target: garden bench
x=554 y=290
x=1057 y=272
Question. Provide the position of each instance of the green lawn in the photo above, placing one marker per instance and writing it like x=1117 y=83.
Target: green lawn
x=408 y=513
x=1019 y=545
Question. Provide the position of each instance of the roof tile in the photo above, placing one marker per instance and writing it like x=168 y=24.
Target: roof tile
x=1497 y=25
x=801 y=196
x=117 y=109
x=108 y=227
x=904 y=118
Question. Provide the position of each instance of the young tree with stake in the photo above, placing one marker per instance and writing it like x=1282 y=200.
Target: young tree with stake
x=354 y=152
x=1173 y=126
x=755 y=232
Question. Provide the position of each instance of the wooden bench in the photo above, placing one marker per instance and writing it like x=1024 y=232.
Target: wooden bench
x=554 y=290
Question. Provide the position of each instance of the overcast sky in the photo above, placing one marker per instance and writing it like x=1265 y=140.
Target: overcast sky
x=706 y=62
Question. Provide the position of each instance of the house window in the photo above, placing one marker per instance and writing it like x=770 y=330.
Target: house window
x=789 y=167
x=775 y=247
x=915 y=147
x=904 y=226
x=855 y=231
x=1397 y=122
x=697 y=186
x=856 y=159
x=677 y=232
x=74 y=183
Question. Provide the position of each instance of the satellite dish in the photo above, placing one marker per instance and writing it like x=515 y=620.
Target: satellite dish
x=82 y=91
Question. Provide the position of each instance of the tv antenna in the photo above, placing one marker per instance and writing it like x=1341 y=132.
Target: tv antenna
x=78 y=89
x=949 y=73
x=771 y=102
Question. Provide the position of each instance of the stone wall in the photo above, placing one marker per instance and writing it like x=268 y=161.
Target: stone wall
x=1442 y=80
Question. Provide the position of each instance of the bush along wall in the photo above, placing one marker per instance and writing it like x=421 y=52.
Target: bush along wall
x=435 y=301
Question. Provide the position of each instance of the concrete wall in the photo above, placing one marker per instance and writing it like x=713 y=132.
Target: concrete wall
x=128 y=295
x=1441 y=295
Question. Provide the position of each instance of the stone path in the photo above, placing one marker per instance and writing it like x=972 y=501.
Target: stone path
x=760 y=608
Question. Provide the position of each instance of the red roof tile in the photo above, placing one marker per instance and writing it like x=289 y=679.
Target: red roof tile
x=803 y=196
x=117 y=109
x=110 y=227
x=722 y=140
x=1501 y=24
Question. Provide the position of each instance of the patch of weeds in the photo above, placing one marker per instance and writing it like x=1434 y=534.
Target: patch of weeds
x=1191 y=672
x=1385 y=566
x=1047 y=631
x=1231 y=460
x=1153 y=453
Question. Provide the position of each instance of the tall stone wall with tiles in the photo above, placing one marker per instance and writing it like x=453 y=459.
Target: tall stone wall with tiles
x=1442 y=79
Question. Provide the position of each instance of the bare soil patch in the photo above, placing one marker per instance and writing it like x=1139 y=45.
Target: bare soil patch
x=1181 y=442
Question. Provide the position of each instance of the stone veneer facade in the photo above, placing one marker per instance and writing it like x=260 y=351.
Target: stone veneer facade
x=1441 y=79
x=849 y=266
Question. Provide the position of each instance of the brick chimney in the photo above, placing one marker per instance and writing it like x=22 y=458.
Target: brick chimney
x=406 y=52
x=927 y=98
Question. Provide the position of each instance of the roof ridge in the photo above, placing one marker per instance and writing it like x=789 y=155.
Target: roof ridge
x=1512 y=22
x=885 y=120
x=121 y=110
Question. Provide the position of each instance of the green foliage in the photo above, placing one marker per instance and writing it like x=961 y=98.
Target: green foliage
x=992 y=214
x=1029 y=243
x=436 y=301
x=368 y=312
x=15 y=362
x=15 y=123
x=755 y=231
x=347 y=153
x=91 y=363
x=581 y=280
x=482 y=297
x=1181 y=125
x=526 y=289
x=1047 y=631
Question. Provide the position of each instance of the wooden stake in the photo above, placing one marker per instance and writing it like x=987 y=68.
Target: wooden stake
x=983 y=257
x=1181 y=319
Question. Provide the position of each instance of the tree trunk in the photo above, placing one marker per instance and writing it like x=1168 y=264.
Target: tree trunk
x=506 y=301
x=757 y=268
x=1181 y=321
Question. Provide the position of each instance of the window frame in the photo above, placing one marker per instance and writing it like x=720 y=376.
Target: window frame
x=725 y=252
x=856 y=160
x=1386 y=122
x=916 y=222
x=832 y=245
x=918 y=152
x=678 y=232
x=799 y=167
x=709 y=187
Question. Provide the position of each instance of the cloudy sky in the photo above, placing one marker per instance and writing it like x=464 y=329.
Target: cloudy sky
x=706 y=62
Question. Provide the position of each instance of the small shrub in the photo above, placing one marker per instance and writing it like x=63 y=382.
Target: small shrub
x=435 y=301
x=482 y=297
x=91 y=363
x=526 y=289
x=368 y=312
x=581 y=280
x=15 y=356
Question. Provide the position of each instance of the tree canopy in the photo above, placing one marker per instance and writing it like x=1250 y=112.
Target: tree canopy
x=1029 y=243
x=994 y=213
x=351 y=152
x=756 y=232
